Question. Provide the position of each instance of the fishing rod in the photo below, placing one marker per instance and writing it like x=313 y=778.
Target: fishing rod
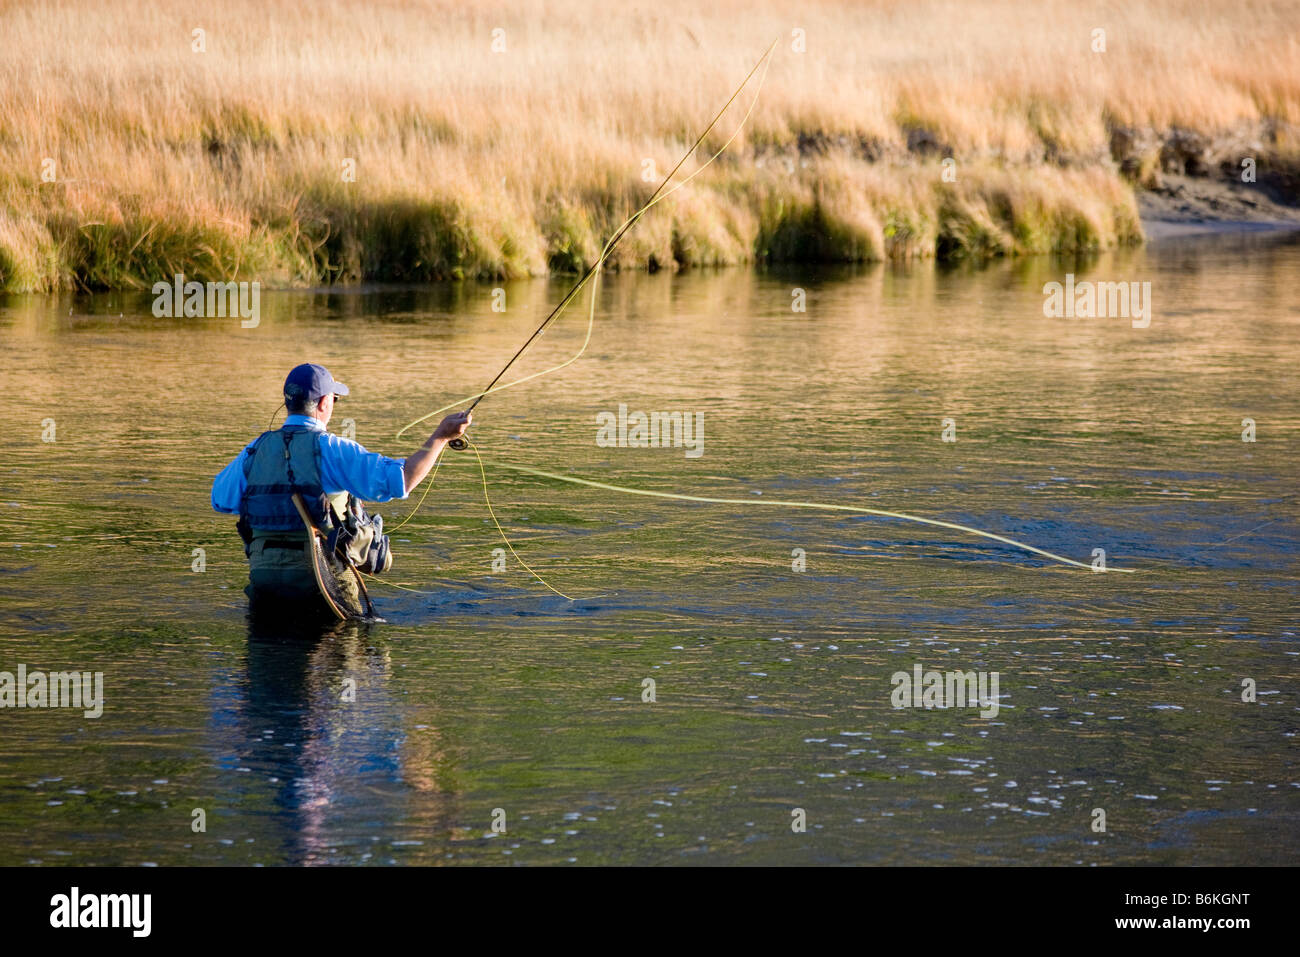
x=460 y=444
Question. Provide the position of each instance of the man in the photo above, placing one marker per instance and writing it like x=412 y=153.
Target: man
x=324 y=469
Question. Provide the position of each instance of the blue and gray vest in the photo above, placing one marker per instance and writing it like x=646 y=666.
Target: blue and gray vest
x=278 y=464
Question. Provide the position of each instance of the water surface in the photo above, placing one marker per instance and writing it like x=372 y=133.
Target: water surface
x=486 y=691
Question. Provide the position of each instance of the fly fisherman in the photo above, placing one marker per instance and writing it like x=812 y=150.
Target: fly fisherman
x=331 y=474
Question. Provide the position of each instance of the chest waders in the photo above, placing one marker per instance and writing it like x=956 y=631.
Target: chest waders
x=287 y=567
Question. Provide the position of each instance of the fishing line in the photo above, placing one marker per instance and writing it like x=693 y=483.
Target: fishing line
x=747 y=503
x=427 y=485
x=593 y=275
x=857 y=509
x=483 y=476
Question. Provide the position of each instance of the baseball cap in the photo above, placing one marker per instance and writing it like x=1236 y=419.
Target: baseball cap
x=312 y=381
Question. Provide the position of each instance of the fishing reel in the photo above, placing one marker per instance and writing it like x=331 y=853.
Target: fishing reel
x=460 y=445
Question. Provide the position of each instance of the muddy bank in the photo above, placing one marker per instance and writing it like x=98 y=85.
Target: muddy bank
x=1243 y=179
x=1182 y=205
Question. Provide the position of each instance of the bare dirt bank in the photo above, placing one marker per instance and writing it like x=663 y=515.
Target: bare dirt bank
x=1182 y=205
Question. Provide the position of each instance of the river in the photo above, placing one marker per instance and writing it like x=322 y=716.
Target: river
x=490 y=720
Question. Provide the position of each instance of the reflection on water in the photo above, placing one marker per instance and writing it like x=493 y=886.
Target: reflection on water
x=483 y=696
x=309 y=747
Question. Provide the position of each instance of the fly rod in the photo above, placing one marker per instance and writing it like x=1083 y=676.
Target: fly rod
x=459 y=443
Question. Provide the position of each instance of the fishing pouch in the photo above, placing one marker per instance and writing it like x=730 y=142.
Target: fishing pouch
x=359 y=539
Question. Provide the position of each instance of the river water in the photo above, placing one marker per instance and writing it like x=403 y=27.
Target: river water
x=486 y=699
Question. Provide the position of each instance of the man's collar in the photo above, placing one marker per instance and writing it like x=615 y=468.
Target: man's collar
x=308 y=420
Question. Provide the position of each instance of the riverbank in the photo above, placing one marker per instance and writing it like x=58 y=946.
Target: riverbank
x=416 y=143
x=1184 y=205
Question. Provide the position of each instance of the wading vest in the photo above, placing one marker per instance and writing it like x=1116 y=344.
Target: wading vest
x=278 y=464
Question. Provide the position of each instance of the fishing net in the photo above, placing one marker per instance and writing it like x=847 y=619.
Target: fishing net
x=343 y=600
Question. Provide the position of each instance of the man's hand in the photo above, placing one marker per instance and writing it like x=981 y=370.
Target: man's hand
x=453 y=426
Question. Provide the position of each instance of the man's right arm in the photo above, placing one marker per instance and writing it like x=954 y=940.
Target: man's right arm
x=417 y=465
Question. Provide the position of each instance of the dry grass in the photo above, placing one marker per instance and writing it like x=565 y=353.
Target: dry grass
x=226 y=164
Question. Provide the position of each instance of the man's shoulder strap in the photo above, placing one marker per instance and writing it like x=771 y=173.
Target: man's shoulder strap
x=252 y=450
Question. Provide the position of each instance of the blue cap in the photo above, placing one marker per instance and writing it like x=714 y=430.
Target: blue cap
x=312 y=382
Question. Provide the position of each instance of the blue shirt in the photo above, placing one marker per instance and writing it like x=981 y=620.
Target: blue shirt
x=345 y=466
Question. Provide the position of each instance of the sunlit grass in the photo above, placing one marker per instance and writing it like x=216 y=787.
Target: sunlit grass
x=228 y=163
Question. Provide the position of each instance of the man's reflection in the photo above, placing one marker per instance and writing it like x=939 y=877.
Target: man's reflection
x=353 y=765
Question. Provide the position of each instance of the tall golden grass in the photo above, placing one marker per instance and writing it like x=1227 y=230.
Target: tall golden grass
x=228 y=163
